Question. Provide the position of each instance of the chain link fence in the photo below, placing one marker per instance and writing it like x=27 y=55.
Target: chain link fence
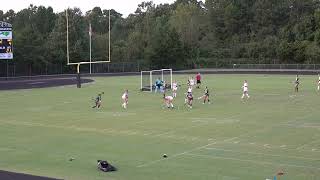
x=11 y=69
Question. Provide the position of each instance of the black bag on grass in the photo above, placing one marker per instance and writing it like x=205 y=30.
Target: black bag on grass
x=105 y=166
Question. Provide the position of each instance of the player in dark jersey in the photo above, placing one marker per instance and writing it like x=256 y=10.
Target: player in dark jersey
x=198 y=78
x=205 y=96
x=296 y=84
x=98 y=101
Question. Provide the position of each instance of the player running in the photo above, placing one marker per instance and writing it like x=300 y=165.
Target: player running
x=188 y=91
x=296 y=84
x=189 y=98
x=174 y=89
x=198 y=78
x=191 y=81
x=205 y=97
x=125 y=98
x=168 y=101
x=319 y=83
x=245 y=90
x=98 y=101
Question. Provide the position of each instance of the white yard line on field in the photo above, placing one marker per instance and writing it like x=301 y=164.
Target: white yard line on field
x=251 y=161
x=205 y=146
x=264 y=154
x=306 y=144
x=181 y=129
x=179 y=154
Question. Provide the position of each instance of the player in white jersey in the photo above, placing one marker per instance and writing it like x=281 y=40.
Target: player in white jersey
x=125 y=97
x=189 y=98
x=191 y=82
x=189 y=89
x=245 y=89
x=168 y=101
x=174 y=89
x=319 y=83
x=188 y=92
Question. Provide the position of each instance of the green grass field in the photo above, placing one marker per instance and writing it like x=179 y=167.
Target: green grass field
x=229 y=139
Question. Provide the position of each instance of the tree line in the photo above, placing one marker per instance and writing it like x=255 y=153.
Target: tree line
x=171 y=35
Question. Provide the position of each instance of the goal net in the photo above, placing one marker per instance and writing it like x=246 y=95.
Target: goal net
x=148 y=79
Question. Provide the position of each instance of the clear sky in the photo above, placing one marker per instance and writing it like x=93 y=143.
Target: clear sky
x=124 y=7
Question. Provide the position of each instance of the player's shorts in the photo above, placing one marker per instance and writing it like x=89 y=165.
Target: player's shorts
x=245 y=89
x=198 y=81
x=169 y=98
x=190 y=98
x=206 y=94
x=175 y=88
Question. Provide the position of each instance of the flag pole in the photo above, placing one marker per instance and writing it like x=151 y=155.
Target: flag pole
x=109 y=38
x=67 y=20
x=90 y=39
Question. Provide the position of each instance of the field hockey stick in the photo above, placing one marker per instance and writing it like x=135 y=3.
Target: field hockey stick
x=200 y=97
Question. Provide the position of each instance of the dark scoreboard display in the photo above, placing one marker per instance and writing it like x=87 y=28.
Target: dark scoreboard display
x=6 y=44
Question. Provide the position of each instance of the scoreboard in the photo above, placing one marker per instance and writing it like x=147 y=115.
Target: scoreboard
x=6 y=44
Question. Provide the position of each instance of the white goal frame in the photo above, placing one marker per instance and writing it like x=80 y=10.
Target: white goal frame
x=150 y=83
x=151 y=75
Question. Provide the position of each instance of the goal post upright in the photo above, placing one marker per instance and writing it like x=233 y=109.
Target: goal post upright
x=90 y=58
x=141 y=80
x=90 y=62
x=171 y=79
x=151 y=81
x=162 y=74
